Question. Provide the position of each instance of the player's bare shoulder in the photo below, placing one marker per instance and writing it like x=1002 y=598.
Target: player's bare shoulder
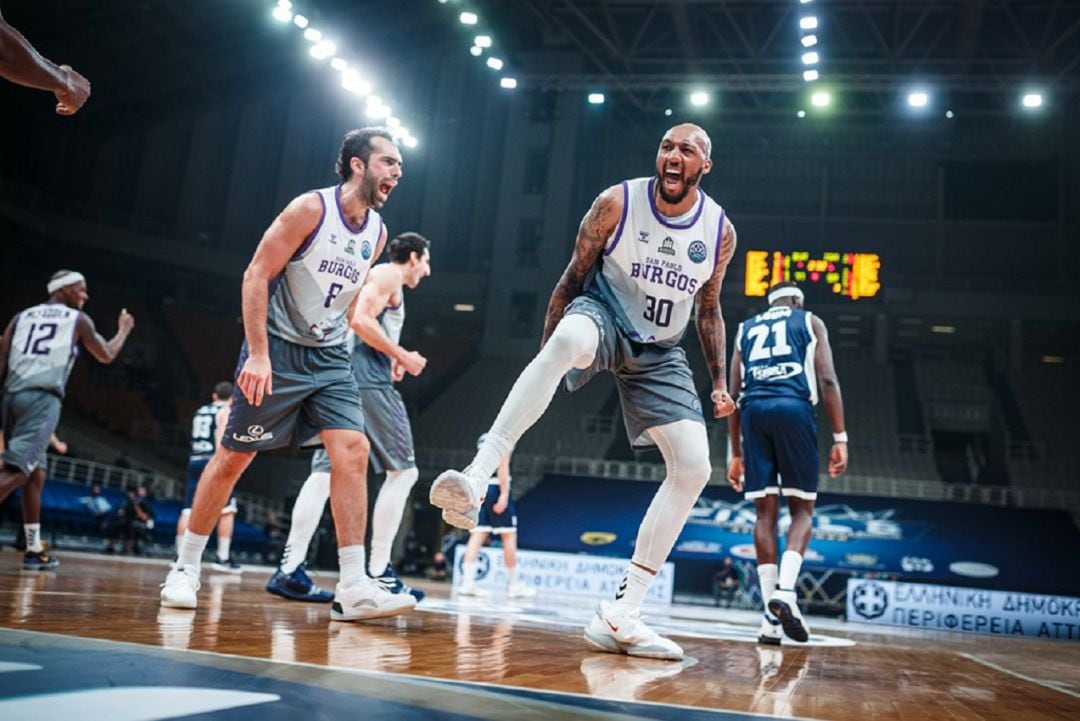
x=604 y=215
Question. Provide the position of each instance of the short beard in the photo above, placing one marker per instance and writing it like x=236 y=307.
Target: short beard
x=676 y=199
x=368 y=189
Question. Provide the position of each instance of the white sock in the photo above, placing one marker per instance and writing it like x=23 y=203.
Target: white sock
x=635 y=585
x=306 y=512
x=223 y=545
x=33 y=537
x=685 y=447
x=572 y=345
x=511 y=576
x=386 y=517
x=766 y=573
x=468 y=573
x=179 y=540
x=191 y=549
x=790 y=564
x=351 y=564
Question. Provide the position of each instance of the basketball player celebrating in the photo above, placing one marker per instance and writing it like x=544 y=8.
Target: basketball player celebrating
x=207 y=427
x=380 y=315
x=294 y=373
x=781 y=357
x=38 y=350
x=647 y=251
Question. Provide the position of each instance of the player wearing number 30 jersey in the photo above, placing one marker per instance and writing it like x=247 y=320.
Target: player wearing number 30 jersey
x=648 y=251
x=37 y=351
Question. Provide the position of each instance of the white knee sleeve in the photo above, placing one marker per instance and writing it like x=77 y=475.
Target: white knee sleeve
x=308 y=509
x=572 y=345
x=386 y=517
x=685 y=447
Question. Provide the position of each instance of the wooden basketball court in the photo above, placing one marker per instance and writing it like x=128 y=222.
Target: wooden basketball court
x=483 y=659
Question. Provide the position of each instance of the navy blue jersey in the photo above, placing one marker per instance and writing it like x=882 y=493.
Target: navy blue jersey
x=204 y=431
x=777 y=349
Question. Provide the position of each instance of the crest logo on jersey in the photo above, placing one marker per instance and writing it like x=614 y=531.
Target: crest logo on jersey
x=365 y=249
x=667 y=246
x=643 y=236
x=350 y=247
x=697 y=252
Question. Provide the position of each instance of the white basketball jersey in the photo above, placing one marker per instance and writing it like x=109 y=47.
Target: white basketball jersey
x=43 y=349
x=653 y=266
x=310 y=299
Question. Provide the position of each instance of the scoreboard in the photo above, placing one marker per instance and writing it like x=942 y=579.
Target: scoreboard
x=852 y=275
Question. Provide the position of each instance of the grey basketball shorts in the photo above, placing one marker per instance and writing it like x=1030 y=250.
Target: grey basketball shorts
x=313 y=390
x=655 y=384
x=30 y=417
x=387 y=427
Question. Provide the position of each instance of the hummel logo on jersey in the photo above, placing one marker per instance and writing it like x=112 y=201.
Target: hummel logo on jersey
x=643 y=236
x=333 y=238
x=667 y=246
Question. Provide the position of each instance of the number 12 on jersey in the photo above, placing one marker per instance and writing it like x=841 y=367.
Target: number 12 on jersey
x=658 y=310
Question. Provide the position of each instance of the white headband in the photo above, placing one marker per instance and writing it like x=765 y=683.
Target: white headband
x=65 y=280
x=786 y=292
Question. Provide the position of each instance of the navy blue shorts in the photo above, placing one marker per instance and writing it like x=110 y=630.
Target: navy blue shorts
x=779 y=437
x=497 y=523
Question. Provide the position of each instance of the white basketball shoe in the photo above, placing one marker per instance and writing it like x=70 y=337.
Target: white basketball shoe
x=473 y=591
x=180 y=587
x=520 y=591
x=368 y=599
x=784 y=606
x=615 y=631
x=770 y=632
x=458 y=496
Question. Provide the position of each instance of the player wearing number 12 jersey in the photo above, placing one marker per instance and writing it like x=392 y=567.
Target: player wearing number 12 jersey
x=781 y=357
x=37 y=351
x=648 y=250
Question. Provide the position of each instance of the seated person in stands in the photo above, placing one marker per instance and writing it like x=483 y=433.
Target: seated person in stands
x=725 y=583
x=438 y=570
x=135 y=521
x=99 y=508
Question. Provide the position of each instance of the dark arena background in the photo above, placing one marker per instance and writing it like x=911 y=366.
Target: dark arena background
x=914 y=165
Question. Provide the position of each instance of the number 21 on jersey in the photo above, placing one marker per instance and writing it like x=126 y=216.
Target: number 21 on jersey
x=760 y=347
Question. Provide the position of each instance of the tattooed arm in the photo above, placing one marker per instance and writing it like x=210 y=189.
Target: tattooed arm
x=710 y=325
x=596 y=227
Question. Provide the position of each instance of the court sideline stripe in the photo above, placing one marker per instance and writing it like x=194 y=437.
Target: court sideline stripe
x=1045 y=684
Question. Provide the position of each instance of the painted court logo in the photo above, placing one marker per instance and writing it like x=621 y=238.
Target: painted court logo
x=697 y=252
x=254 y=433
x=870 y=600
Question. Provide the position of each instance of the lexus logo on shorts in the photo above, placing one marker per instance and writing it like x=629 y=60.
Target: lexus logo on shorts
x=254 y=433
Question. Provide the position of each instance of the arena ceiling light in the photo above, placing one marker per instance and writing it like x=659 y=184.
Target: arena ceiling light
x=508 y=83
x=351 y=80
x=476 y=51
x=808 y=22
x=810 y=75
x=699 y=98
x=596 y=98
x=918 y=99
x=821 y=99
x=468 y=18
x=809 y=41
x=482 y=41
x=495 y=63
x=1032 y=100
x=810 y=58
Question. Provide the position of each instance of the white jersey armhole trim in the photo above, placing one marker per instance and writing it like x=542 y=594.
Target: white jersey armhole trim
x=809 y=366
x=617 y=235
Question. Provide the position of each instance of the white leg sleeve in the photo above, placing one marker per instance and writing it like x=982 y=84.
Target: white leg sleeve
x=306 y=513
x=386 y=519
x=572 y=345
x=685 y=447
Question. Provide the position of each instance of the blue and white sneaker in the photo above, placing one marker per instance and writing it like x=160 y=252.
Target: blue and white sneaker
x=297 y=586
x=39 y=561
x=390 y=581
